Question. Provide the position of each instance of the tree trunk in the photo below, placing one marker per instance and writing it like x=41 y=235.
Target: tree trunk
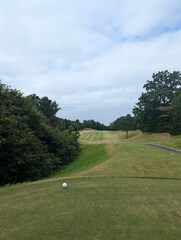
x=127 y=134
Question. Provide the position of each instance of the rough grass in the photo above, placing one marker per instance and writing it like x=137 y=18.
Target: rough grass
x=119 y=189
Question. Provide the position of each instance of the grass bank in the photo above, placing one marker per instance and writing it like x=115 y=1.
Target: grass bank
x=90 y=155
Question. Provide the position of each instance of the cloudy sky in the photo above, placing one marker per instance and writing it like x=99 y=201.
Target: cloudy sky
x=91 y=57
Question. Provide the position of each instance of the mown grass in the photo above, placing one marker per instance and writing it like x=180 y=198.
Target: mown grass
x=116 y=190
x=144 y=161
x=92 y=208
x=90 y=156
x=92 y=135
x=159 y=138
x=165 y=139
x=135 y=160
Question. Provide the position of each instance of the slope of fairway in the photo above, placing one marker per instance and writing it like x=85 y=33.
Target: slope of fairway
x=117 y=189
x=90 y=155
x=95 y=137
x=134 y=160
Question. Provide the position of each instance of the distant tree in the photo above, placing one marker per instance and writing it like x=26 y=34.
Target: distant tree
x=94 y=125
x=77 y=125
x=64 y=124
x=153 y=108
x=175 y=125
x=124 y=123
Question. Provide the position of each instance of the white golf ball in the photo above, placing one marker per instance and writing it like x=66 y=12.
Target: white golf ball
x=64 y=185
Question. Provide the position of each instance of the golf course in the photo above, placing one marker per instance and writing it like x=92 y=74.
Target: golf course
x=118 y=189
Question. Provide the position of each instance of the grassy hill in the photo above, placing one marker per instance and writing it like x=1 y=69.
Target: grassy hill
x=117 y=189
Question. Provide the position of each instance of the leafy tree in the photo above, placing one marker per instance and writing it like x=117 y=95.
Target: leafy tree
x=94 y=125
x=64 y=124
x=124 y=123
x=48 y=107
x=22 y=155
x=153 y=108
x=175 y=126
x=30 y=147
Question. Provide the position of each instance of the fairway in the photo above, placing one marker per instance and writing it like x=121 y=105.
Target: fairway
x=117 y=189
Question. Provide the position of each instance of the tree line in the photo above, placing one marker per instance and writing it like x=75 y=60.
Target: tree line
x=33 y=141
x=158 y=108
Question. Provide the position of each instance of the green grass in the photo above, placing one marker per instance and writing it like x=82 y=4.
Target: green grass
x=90 y=156
x=92 y=208
x=135 y=160
x=92 y=136
x=119 y=189
x=159 y=138
x=144 y=161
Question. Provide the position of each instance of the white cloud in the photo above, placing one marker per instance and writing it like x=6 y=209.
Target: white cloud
x=92 y=57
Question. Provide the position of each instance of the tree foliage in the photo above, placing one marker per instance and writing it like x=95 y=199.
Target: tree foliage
x=93 y=124
x=48 y=107
x=153 y=110
x=124 y=123
x=64 y=124
x=175 y=125
x=30 y=146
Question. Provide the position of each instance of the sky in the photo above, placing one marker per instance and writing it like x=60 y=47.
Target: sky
x=91 y=57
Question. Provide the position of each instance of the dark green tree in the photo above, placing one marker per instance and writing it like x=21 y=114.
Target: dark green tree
x=124 y=123
x=94 y=125
x=175 y=125
x=23 y=157
x=48 y=107
x=30 y=146
x=152 y=111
